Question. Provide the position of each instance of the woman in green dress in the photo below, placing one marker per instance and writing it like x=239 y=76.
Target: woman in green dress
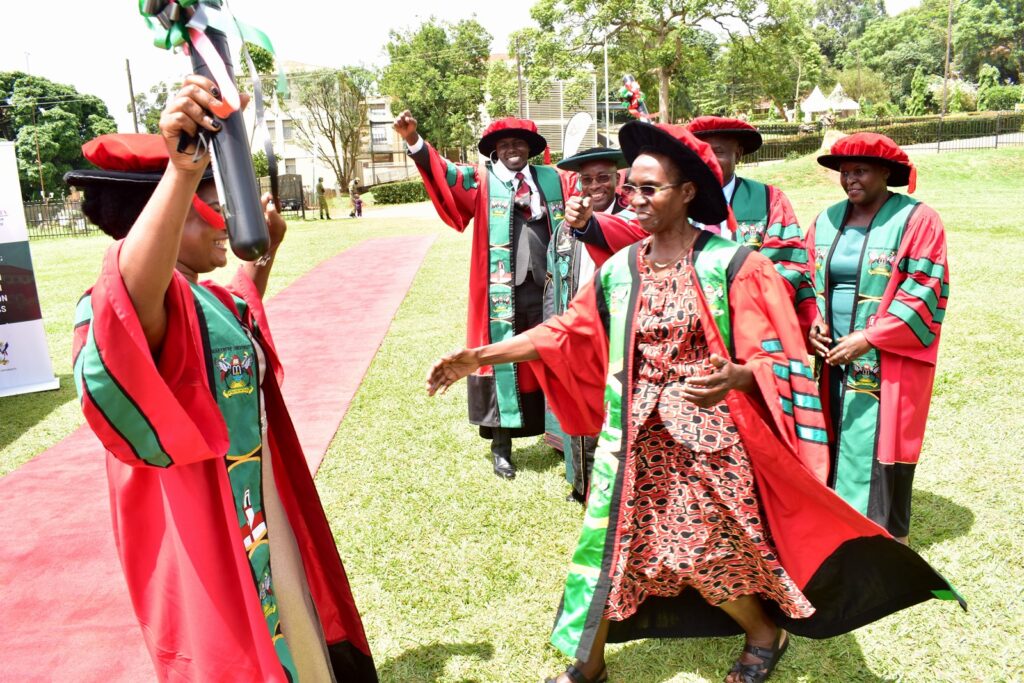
x=881 y=280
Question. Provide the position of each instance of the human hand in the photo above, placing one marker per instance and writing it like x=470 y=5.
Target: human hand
x=451 y=368
x=406 y=126
x=819 y=339
x=186 y=114
x=710 y=390
x=276 y=225
x=848 y=348
x=578 y=211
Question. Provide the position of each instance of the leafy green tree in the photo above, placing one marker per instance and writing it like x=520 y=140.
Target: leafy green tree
x=837 y=22
x=49 y=122
x=261 y=165
x=990 y=32
x=920 y=96
x=502 y=90
x=654 y=39
x=149 y=105
x=438 y=71
x=781 y=57
x=861 y=84
x=329 y=113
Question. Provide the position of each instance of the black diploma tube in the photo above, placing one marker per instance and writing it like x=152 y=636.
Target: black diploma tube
x=233 y=171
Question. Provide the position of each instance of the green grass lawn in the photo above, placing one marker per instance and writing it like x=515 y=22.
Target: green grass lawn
x=458 y=574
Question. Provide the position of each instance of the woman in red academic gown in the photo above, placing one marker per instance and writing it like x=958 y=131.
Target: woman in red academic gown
x=707 y=512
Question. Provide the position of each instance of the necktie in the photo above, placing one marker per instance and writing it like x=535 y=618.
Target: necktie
x=522 y=198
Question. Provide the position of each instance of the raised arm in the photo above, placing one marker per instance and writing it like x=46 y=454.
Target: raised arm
x=150 y=251
x=453 y=188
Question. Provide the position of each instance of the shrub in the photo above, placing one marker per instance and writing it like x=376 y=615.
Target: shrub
x=1000 y=97
x=400 y=193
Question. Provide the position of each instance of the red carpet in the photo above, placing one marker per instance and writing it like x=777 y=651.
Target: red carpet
x=66 y=614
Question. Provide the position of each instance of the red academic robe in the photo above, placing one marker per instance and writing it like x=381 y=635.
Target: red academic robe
x=175 y=527
x=457 y=203
x=908 y=364
x=614 y=233
x=851 y=569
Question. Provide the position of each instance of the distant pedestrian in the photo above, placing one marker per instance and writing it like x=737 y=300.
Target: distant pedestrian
x=321 y=199
x=357 y=199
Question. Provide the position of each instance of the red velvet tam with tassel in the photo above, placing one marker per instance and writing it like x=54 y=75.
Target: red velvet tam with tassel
x=877 y=149
x=511 y=127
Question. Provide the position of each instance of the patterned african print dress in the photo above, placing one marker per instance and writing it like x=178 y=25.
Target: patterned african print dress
x=691 y=515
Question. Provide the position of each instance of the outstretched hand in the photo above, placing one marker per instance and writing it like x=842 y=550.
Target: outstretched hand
x=711 y=389
x=451 y=368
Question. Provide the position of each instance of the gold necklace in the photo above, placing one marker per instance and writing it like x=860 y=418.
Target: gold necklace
x=675 y=259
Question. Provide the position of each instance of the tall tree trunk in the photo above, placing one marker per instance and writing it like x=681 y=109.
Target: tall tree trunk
x=663 y=99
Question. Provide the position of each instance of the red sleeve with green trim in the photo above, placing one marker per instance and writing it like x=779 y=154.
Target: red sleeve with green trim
x=145 y=411
x=767 y=339
x=784 y=246
x=573 y=363
x=453 y=188
x=909 y=318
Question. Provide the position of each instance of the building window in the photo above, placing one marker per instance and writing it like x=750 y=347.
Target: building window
x=289 y=166
x=286 y=130
x=382 y=158
x=378 y=110
x=380 y=134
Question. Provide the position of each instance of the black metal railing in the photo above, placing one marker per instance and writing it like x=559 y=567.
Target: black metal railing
x=56 y=218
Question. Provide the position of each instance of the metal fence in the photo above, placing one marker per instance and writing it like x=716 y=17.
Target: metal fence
x=979 y=130
x=56 y=218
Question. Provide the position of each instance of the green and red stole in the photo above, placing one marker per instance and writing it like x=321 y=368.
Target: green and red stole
x=501 y=289
x=861 y=380
x=234 y=373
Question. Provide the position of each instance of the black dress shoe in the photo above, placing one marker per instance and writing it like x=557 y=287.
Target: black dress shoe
x=503 y=466
x=501 y=451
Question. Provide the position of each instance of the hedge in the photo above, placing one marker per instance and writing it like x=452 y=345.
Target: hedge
x=400 y=193
x=923 y=131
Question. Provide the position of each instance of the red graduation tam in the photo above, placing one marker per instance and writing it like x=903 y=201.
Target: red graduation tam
x=874 y=148
x=695 y=158
x=121 y=158
x=708 y=126
x=512 y=127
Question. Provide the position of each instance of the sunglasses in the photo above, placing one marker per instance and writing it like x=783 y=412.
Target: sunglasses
x=648 y=191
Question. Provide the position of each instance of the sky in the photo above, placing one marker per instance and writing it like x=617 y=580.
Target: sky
x=86 y=44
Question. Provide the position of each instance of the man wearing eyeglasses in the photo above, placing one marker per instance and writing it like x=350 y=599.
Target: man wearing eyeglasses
x=569 y=265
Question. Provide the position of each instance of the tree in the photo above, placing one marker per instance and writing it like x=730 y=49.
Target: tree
x=990 y=32
x=149 y=106
x=438 y=71
x=921 y=101
x=49 y=122
x=261 y=165
x=837 y=22
x=658 y=35
x=861 y=84
x=502 y=90
x=781 y=57
x=334 y=116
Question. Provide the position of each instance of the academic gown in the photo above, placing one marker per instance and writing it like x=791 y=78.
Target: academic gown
x=851 y=570
x=175 y=523
x=460 y=194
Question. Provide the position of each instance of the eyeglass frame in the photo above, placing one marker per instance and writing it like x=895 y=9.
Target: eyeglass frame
x=628 y=190
x=600 y=179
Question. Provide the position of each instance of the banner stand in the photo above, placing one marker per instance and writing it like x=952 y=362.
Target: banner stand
x=24 y=354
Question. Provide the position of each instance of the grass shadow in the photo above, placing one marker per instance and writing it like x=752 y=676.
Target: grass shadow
x=426 y=663
x=25 y=410
x=536 y=456
x=657 y=661
x=936 y=518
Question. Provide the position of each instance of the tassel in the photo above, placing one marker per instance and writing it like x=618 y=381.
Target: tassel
x=731 y=222
x=913 y=180
x=547 y=156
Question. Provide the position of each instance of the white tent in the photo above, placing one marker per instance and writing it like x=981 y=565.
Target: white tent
x=814 y=104
x=840 y=103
